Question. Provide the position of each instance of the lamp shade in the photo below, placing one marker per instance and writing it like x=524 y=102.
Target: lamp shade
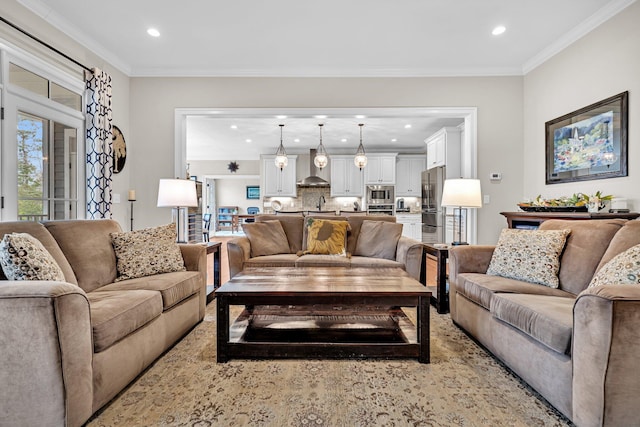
x=177 y=193
x=461 y=192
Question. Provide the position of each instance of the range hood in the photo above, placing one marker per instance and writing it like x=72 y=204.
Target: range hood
x=313 y=180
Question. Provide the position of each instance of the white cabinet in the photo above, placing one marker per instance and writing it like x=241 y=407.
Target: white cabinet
x=278 y=183
x=381 y=169
x=409 y=175
x=411 y=225
x=346 y=177
x=444 y=149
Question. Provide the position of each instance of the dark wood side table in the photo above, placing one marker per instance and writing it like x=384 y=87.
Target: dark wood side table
x=439 y=293
x=213 y=283
x=532 y=220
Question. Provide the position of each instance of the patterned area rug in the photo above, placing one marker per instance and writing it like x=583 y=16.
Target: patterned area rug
x=463 y=386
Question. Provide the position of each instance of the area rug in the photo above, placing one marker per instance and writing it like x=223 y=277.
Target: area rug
x=463 y=386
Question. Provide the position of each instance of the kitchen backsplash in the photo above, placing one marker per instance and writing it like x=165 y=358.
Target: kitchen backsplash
x=308 y=198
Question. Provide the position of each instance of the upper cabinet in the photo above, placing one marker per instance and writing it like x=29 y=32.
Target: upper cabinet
x=276 y=182
x=346 y=178
x=409 y=174
x=443 y=149
x=381 y=169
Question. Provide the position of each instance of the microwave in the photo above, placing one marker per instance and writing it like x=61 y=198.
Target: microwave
x=380 y=194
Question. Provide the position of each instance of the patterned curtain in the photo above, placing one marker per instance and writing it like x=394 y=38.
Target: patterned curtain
x=99 y=144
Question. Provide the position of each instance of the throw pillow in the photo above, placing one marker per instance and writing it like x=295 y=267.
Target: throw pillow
x=378 y=239
x=623 y=269
x=326 y=237
x=529 y=255
x=147 y=252
x=267 y=238
x=23 y=257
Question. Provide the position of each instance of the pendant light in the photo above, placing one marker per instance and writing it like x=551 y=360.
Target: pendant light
x=321 y=159
x=361 y=158
x=281 y=155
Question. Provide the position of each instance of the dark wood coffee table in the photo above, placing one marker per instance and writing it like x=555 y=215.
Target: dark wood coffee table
x=329 y=312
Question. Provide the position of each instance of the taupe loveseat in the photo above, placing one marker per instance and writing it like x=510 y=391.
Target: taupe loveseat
x=406 y=254
x=68 y=347
x=576 y=345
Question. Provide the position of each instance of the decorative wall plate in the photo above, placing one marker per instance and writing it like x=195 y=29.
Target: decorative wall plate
x=119 y=150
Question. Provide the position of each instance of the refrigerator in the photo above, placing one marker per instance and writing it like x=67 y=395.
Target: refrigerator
x=433 y=215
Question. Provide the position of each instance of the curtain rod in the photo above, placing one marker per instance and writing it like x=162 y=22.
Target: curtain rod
x=45 y=44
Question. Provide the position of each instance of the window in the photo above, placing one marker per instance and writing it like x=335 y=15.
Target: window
x=43 y=87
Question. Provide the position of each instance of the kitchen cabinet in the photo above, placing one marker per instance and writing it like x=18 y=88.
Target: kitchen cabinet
x=276 y=182
x=346 y=177
x=381 y=169
x=411 y=225
x=409 y=175
x=444 y=149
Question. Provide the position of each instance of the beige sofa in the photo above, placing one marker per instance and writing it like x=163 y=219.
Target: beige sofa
x=576 y=345
x=408 y=253
x=67 y=348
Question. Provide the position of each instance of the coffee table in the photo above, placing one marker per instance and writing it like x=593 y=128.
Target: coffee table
x=331 y=312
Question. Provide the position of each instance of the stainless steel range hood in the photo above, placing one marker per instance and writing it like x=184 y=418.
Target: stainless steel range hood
x=313 y=180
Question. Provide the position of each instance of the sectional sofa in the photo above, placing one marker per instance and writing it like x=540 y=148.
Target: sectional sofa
x=577 y=345
x=69 y=346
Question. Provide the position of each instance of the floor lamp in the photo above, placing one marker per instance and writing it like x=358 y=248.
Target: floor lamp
x=461 y=193
x=178 y=194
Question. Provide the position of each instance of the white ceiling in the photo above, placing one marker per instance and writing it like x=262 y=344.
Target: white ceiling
x=329 y=38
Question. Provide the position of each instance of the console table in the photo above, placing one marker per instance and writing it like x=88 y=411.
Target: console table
x=532 y=220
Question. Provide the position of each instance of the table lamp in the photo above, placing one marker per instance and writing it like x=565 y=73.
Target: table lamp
x=178 y=194
x=461 y=193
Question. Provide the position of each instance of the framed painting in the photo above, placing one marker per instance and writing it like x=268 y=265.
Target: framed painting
x=590 y=143
x=253 y=192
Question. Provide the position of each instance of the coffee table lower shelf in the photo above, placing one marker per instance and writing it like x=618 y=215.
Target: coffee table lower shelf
x=322 y=332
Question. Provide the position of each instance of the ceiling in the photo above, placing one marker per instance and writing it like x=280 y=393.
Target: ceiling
x=330 y=38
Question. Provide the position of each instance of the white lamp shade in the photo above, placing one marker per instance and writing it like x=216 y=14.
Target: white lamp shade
x=461 y=192
x=177 y=193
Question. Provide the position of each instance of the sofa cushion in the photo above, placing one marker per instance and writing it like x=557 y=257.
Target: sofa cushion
x=87 y=246
x=325 y=237
x=23 y=257
x=173 y=287
x=147 y=252
x=267 y=238
x=355 y=223
x=369 y=262
x=292 y=226
x=627 y=237
x=378 y=239
x=116 y=314
x=529 y=255
x=323 y=261
x=547 y=319
x=282 y=260
x=623 y=269
x=584 y=249
x=38 y=231
x=480 y=288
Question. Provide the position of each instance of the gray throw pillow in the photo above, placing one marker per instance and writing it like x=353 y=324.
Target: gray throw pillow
x=267 y=238
x=23 y=257
x=378 y=239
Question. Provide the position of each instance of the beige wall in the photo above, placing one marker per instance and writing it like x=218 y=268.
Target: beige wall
x=499 y=101
x=232 y=192
x=18 y=15
x=603 y=63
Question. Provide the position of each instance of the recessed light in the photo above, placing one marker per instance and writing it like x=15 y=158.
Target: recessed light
x=407 y=126
x=153 y=32
x=320 y=116
x=281 y=117
x=234 y=126
x=498 y=30
x=296 y=140
x=343 y=140
x=248 y=140
x=394 y=140
x=360 y=116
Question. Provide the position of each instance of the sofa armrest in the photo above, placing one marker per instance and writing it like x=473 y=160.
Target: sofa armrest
x=409 y=252
x=46 y=352
x=466 y=259
x=605 y=345
x=195 y=259
x=238 y=250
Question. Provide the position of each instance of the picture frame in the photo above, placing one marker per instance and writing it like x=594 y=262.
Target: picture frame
x=589 y=143
x=253 y=192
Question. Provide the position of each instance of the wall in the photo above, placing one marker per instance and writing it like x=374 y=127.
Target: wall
x=603 y=63
x=499 y=101
x=18 y=15
x=232 y=192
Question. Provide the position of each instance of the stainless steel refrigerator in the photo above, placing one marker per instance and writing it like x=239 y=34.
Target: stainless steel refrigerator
x=433 y=215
